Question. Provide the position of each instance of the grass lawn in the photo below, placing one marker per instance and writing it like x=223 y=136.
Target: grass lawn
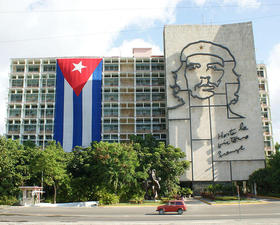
x=136 y=204
x=224 y=199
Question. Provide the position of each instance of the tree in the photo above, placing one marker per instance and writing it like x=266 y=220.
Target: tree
x=277 y=146
x=167 y=161
x=104 y=167
x=268 y=179
x=14 y=166
x=7 y=170
x=52 y=163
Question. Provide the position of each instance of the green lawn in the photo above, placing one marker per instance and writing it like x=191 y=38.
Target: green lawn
x=136 y=204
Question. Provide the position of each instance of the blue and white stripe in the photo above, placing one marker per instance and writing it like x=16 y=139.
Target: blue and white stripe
x=78 y=118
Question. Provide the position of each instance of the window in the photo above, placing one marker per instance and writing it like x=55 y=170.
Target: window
x=142 y=97
x=32 y=83
x=179 y=203
x=157 y=66
x=15 y=112
x=13 y=127
x=111 y=67
x=111 y=82
x=143 y=127
x=158 y=96
x=110 y=96
x=110 y=112
x=157 y=127
x=157 y=81
x=19 y=69
x=158 y=112
x=16 y=97
x=110 y=127
x=143 y=112
x=260 y=73
x=142 y=66
x=31 y=97
x=17 y=83
x=30 y=112
x=47 y=68
x=141 y=82
x=33 y=68
x=30 y=128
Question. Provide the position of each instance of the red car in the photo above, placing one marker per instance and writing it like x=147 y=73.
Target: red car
x=172 y=206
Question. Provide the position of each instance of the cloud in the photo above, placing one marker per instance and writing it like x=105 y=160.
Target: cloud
x=51 y=28
x=239 y=3
x=273 y=68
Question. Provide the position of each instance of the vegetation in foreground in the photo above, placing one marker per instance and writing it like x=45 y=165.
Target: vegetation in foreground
x=107 y=172
x=268 y=179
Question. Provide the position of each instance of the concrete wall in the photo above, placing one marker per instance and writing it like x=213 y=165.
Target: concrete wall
x=212 y=93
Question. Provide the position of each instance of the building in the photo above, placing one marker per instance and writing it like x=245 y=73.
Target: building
x=30 y=115
x=265 y=108
x=133 y=96
x=213 y=121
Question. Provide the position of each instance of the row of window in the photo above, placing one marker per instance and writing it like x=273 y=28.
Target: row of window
x=30 y=128
x=34 y=68
x=139 y=66
x=32 y=97
x=31 y=113
x=139 y=97
x=139 y=127
x=139 y=82
x=131 y=121
x=33 y=83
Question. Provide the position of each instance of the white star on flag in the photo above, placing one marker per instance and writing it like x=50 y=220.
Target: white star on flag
x=78 y=67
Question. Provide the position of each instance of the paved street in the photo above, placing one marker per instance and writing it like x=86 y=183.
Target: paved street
x=197 y=213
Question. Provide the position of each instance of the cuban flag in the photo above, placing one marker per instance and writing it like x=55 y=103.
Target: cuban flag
x=78 y=102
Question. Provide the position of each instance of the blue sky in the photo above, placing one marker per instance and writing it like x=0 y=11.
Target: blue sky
x=51 y=28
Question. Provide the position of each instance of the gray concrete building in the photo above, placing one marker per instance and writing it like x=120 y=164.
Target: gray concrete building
x=213 y=100
x=203 y=96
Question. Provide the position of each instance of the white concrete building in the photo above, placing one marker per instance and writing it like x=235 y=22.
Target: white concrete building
x=265 y=108
x=213 y=115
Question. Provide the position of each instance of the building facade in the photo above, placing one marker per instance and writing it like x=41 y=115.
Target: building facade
x=265 y=108
x=211 y=121
x=133 y=98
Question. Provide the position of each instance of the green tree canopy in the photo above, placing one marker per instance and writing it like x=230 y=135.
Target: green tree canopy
x=268 y=179
x=15 y=166
x=168 y=162
x=104 y=166
x=52 y=162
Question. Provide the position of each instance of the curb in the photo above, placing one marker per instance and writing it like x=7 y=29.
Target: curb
x=204 y=201
x=242 y=203
x=232 y=203
x=269 y=197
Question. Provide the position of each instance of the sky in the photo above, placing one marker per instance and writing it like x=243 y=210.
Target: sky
x=52 y=28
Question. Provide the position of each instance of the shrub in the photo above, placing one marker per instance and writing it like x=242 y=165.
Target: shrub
x=137 y=199
x=214 y=189
x=8 y=200
x=228 y=189
x=226 y=198
x=164 y=199
x=186 y=191
x=106 y=198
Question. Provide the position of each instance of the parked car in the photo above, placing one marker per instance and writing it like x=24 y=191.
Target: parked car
x=172 y=206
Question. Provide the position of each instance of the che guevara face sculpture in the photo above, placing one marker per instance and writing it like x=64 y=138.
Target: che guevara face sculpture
x=203 y=74
x=207 y=68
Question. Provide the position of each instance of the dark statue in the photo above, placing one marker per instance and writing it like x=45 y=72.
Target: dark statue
x=152 y=185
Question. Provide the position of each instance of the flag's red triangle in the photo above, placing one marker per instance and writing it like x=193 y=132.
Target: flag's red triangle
x=77 y=71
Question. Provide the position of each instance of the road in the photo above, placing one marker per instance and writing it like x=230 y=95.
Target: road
x=197 y=213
